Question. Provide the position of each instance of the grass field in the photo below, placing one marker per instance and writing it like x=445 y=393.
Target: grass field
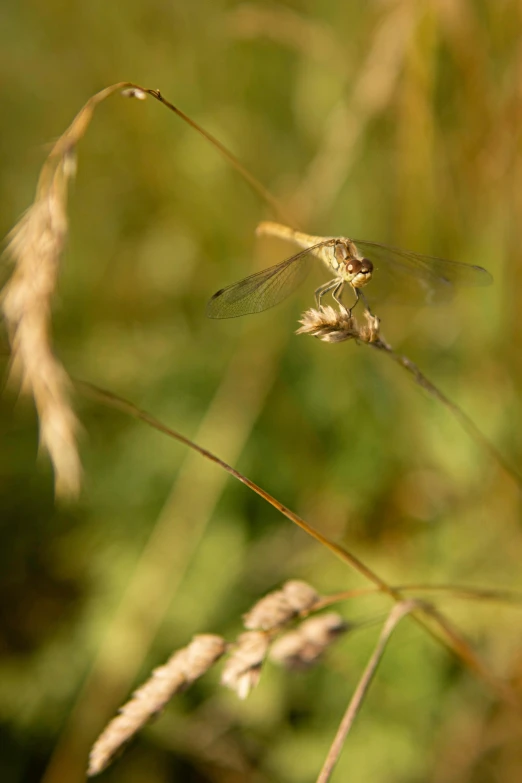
x=394 y=121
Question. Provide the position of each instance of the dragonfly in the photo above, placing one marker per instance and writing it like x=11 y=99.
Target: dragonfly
x=355 y=264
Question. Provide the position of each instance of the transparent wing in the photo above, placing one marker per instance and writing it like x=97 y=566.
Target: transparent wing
x=262 y=290
x=402 y=275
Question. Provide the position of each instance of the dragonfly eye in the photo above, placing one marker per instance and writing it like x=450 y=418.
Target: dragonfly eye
x=366 y=266
x=359 y=266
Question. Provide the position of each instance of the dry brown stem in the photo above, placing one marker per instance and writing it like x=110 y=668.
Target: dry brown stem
x=466 y=422
x=395 y=616
x=425 y=614
x=334 y=326
x=35 y=246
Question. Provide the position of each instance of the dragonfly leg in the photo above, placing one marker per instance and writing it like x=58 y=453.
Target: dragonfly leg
x=336 y=296
x=365 y=302
x=323 y=289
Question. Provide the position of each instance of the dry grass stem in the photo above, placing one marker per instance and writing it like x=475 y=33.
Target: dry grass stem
x=243 y=668
x=185 y=666
x=35 y=246
x=395 y=616
x=336 y=326
x=466 y=422
x=453 y=591
x=135 y=91
x=443 y=633
x=302 y=648
x=277 y=608
x=299 y=649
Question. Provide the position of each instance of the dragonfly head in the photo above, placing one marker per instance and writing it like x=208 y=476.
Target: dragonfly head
x=358 y=271
x=354 y=270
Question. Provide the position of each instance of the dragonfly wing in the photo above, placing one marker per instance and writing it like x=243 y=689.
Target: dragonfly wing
x=411 y=277
x=261 y=290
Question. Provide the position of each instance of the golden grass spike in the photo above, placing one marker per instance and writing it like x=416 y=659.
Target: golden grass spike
x=35 y=245
x=180 y=671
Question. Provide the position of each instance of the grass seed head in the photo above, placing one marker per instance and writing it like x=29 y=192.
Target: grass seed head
x=336 y=326
x=243 y=667
x=302 y=648
x=182 y=668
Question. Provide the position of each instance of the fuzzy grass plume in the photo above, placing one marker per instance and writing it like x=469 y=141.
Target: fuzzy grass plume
x=35 y=247
x=336 y=326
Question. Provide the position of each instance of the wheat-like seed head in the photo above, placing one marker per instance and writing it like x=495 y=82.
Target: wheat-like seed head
x=302 y=647
x=242 y=669
x=35 y=246
x=180 y=671
x=278 y=607
x=335 y=326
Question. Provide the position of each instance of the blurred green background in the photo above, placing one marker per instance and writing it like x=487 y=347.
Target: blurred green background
x=393 y=120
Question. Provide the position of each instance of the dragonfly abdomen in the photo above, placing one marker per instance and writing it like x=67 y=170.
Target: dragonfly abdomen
x=302 y=240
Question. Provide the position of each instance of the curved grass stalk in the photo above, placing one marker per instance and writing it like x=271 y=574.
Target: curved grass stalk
x=425 y=614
